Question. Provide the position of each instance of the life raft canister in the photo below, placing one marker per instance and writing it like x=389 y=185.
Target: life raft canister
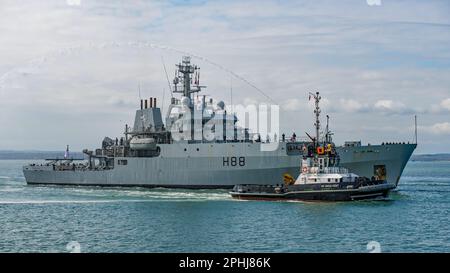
x=288 y=178
x=320 y=150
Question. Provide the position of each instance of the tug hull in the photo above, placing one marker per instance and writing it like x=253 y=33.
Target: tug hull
x=332 y=193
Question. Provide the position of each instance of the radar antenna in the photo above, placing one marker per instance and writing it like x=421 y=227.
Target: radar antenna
x=317 y=111
x=167 y=77
x=184 y=76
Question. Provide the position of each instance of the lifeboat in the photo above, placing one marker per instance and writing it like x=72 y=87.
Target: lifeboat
x=147 y=143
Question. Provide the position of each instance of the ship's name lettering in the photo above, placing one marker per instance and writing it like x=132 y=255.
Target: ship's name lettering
x=233 y=161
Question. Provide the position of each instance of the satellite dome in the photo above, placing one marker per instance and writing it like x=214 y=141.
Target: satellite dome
x=185 y=101
x=221 y=105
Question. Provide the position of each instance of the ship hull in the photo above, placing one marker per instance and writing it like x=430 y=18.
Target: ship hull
x=220 y=166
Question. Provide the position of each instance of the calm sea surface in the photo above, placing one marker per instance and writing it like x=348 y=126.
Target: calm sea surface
x=416 y=218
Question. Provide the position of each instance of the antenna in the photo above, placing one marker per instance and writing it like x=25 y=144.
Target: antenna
x=167 y=76
x=231 y=93
x=162 y=104
x=139 y=90
x=317 y=111
x=415 y=128
x=185 y=69
x=142 y=112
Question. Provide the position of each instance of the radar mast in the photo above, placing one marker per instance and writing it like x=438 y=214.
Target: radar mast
x=183 y=76
x=317 y=111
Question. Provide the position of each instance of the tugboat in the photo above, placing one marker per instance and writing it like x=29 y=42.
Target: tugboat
x=321 y=177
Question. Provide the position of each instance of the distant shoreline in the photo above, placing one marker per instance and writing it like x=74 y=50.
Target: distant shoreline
x=431 y=157
x=37 y=155
x=40 y=155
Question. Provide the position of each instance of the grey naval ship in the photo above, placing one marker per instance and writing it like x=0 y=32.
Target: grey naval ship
x=152 y=153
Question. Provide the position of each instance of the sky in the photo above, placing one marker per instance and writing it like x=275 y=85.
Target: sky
x=70 y=69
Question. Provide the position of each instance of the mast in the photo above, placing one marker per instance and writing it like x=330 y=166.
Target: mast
x=183 y=76
x=317 y=111
x=188 y=76
x=415 y=128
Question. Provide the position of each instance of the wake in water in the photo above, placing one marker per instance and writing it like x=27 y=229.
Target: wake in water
x=23 y=194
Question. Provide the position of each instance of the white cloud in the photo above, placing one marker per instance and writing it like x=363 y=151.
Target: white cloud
x=439 y=128
x=293 y=105
x=351 y=105
x=373 y=2
x=393 y=107
x=344 y=105
x=445 y=104
x=383 y=106
x=442 y=108
x=370 y=75
x=73 y=2
x=248 y=101
x=387 y=105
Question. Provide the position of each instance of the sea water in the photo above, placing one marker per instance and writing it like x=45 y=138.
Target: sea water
x=415 y=218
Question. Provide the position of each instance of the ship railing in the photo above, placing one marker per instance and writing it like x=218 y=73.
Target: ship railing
x=339 y=170
x=330 y=170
